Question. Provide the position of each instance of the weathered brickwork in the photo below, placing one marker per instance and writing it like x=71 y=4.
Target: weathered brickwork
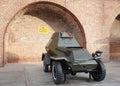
x=96 y=18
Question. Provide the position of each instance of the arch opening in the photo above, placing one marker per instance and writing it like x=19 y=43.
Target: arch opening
x=24 y=42
x=115 y=39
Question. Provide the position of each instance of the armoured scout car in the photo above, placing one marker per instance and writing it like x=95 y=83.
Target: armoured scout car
x=65 y=56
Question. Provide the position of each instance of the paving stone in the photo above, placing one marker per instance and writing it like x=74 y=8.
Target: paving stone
x=14 y=74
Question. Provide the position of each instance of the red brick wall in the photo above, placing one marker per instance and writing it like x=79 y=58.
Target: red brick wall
x=22 y=40
x=17 y=51
x=95 y=16
x=115 y=40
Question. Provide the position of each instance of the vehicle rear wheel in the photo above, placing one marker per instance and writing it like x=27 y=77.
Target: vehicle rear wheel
x=57 y=73
x=45 y=66
x=100 y=72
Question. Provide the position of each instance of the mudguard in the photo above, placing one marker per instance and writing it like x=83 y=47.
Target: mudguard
x=100 y=63
x=59 y=58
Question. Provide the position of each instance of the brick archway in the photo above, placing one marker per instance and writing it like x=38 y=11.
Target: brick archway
x=115 y=39
x=63 y=13
x=114 y=43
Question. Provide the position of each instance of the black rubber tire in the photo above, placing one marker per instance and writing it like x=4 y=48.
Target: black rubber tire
x=100 y=74
x=45 y=66
x=73 y=73
x=57 y=73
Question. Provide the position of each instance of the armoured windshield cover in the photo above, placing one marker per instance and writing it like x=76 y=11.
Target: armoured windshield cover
x=67 y=40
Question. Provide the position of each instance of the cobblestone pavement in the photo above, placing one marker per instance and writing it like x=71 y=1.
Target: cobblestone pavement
x=14 y=74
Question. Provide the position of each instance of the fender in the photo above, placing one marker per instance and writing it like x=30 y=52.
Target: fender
x=100 y=63
x=60 y=58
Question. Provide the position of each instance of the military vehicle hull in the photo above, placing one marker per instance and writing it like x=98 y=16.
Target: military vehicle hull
x=66 y=56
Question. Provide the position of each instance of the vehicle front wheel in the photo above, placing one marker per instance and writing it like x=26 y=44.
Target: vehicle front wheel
x=100 y=72
x=57 y=73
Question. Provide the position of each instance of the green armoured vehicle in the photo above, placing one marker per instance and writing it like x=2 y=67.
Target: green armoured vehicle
x=65 y=56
